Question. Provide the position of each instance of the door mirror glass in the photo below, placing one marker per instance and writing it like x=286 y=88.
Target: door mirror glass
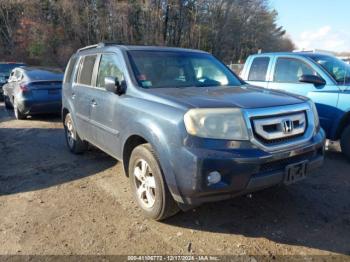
x=112 y=84
x=312 y=79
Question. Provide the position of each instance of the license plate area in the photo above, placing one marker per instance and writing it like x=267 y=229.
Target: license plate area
x=295 y=172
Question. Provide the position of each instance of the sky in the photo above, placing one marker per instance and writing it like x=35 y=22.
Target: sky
x=316 y=24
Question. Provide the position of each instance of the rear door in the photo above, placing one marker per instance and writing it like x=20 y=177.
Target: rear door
x=105 y=110
x=259 y=68
x=285 y=76
x=82 y=95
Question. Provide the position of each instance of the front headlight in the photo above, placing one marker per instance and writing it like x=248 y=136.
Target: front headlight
x=315 y=113
x=217 y=123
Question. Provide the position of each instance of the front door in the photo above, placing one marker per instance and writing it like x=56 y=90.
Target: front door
x=286 y=77
x=104 y=112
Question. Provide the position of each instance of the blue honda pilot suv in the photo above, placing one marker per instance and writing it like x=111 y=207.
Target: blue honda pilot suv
x=186 y=128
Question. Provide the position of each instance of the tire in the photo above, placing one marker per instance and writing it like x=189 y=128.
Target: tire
x=345 y=142
x=148 y=185
x=18 y=114
x=74 y=143
x=7 y=101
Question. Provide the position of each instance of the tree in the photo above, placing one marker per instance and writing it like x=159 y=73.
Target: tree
x=47 y=32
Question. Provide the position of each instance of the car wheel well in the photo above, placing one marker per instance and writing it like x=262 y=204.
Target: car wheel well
x=64 y=113
x=344 y=122
x=130 y=144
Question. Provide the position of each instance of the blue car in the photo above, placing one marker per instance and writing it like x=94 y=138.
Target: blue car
x=33 y=90
x=321 y=77
x=186 y=128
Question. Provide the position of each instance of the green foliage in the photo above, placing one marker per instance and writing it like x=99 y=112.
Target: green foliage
x=49 y=30
x=36 y=49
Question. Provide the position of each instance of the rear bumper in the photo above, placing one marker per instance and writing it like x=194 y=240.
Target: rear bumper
x=242 y=170
x=39 y=107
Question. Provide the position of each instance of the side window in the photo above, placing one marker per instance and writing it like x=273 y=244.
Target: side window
x=109 y=67
x=69 y=70
x=288 y=70
x=86 y=70
x=258 y=69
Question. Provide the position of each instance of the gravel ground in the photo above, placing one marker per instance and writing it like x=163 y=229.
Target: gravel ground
x=56 y=203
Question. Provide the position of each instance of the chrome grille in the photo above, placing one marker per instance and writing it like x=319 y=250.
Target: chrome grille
x=277 y=129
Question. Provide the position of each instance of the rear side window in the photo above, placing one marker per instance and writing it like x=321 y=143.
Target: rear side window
x=258 y=70
x=86 y=70
x=69 y=70
x=289 y=70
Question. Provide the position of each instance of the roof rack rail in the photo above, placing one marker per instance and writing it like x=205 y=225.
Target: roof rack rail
x=87 y=47
x=99 y=45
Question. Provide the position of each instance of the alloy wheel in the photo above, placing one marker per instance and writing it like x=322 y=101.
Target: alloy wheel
x=145 y=184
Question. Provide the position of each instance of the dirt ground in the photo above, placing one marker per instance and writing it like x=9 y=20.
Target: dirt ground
x=56 y=203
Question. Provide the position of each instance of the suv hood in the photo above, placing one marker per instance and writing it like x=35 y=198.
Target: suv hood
x=245 y=96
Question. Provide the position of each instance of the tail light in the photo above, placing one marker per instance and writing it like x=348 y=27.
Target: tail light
x=24 y=88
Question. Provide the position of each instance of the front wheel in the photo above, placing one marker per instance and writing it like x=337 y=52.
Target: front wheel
x=345 y=142
x=74 y=143
x=148 y=184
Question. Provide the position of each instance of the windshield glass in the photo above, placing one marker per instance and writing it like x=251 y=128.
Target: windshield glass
x=162 y=69
x=337 y=68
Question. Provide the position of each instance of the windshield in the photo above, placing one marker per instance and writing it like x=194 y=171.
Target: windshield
x=337 y=68
x=162 y=69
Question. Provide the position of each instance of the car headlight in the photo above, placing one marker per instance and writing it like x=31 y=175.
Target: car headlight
x=315 y=113
x=217 y=123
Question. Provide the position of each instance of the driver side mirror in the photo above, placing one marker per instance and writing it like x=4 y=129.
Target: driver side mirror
x=112 y=84
x=312 y=79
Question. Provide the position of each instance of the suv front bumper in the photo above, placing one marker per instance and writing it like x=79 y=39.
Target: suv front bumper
x=243 y=167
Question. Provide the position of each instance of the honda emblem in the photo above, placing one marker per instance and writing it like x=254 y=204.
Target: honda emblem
x=287 y=126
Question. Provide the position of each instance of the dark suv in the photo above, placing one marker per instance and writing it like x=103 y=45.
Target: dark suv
x=186 y=128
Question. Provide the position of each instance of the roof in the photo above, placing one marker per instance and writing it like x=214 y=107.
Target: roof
x=294 y=53
x=42 y=73
x=138 y=48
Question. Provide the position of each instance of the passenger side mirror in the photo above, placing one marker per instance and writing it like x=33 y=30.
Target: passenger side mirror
x=312 y=79
x=112 y=84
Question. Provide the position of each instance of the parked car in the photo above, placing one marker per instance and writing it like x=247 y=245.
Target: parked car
x=34 y=90
x=323 y=78
x=186 y=128
x=5 y=70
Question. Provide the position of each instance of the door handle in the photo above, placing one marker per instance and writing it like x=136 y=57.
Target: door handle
x=73 y=95
x=93 y=103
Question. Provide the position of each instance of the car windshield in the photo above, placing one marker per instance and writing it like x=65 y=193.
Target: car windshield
x=337 y=68
x=174 y=69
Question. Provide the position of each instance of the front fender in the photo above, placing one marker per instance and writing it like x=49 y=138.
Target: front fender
x=166 y=139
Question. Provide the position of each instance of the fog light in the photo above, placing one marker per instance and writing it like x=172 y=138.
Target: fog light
x=213 y=178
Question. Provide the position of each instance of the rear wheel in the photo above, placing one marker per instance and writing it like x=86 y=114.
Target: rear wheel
x=345 y=142
x=18 y=114
x=7 y=101
x=74 y=143
x=148 y=184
